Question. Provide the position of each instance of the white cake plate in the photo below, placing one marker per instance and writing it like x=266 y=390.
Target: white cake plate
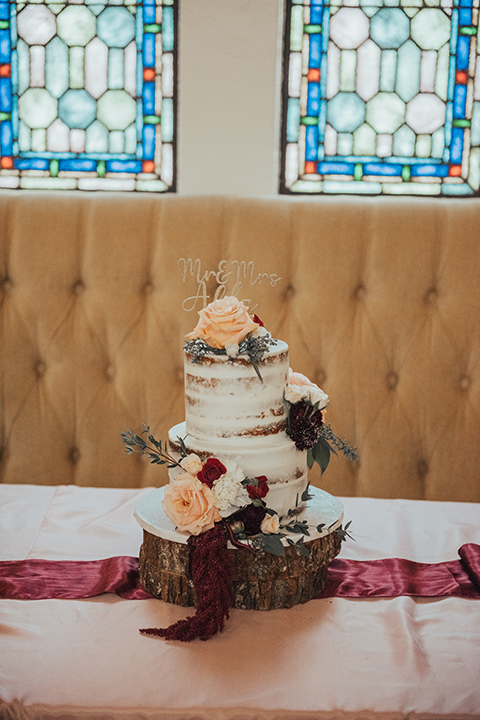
x=322 y=509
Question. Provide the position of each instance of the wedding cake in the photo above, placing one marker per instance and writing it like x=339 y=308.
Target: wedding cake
x=238 y=478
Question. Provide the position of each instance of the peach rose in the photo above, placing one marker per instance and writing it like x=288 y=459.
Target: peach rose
x=301 y=388
x=270 y=525
x=223 y=322
x=190 y=505
x=191 y=464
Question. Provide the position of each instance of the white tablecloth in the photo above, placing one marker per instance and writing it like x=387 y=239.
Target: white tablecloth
x=331 y=658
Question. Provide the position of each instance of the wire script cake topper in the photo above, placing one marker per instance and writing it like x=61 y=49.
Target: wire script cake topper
x=230 y=276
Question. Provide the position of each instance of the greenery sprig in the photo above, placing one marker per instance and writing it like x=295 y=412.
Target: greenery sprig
x=157 y=453
x=254 y=347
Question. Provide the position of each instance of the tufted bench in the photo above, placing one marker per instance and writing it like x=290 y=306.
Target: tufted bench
x=378 y=299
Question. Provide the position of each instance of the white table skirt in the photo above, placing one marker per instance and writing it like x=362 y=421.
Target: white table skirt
x=328 y=659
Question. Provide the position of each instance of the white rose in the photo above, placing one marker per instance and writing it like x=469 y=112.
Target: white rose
x=299 y=388
x=231 y=349
x=259 y=332
x=229 y=491
x=270 y=525
x=191 y=464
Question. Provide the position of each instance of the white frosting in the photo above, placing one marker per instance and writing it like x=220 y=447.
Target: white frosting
x=224 y=398
x=231 y=414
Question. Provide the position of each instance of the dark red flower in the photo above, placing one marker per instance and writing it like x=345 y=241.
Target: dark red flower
x=258 y=491
x=251 y=517
x=304 y=427
x=211 y=471
x=256 y=319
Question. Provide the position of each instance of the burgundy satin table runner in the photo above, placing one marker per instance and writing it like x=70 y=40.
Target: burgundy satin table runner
x=390 y=577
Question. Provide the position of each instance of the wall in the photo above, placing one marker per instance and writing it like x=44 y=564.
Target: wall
x=229 y=83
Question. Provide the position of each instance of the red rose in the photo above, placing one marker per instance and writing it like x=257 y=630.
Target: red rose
x=257 y=320
x=211 y=471
x=258 y=491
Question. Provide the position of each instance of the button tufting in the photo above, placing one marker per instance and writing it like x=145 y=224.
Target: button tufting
x=109 y=372
x=464 y=382
x=40 y=368
x=431 y=296
x=148 y=288
x=78 y=287
x=74 y=455
x=360 y=291
x=392 y=380
x=290 y=292
x=422 y=468
x=320 y=377
x=6 y=284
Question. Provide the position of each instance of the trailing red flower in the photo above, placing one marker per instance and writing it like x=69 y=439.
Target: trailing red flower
x=257 y=320
x=304 y=426
x=258 y=491
x=211 y=471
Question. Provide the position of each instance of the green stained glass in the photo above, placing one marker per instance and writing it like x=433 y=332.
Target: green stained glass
x=88 y=94
x=381 y=97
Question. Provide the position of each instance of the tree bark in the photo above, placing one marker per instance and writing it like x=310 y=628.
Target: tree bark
x=259 y=582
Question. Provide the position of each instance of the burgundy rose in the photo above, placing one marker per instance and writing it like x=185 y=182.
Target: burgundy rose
x=211 y=471
x=304 y=427
x=257 y=320
x=258 y=491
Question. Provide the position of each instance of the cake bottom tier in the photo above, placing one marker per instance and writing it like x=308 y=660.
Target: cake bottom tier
x=275 y=456
x=260 y=582
x=264 y=582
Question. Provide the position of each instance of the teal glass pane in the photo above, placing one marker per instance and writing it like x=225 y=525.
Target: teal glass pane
x=88 y=95
x=381 y=97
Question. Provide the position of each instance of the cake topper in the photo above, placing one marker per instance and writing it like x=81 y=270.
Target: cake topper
x=230 y=276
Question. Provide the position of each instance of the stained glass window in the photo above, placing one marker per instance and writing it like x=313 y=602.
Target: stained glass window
x=381 y=97
x=87 y=94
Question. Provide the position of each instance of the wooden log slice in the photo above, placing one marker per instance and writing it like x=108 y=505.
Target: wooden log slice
x=260 y=582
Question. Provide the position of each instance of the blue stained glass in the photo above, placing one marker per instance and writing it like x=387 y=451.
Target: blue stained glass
x=348 y=53
x=457 y=145
x=148 y=142
x=168 y=29
x=149 y=50
x=459 y=101
x=382 y=169
x=31 y=164
x=4 y=46
x=6 y=138
x=74 y=165
x=429 y=170
x=149 y=14
x=115 y=115
x=124 y=166
x=311 y=143
x=337 y=168
x=463 y=52
x=5 y=95
x=149 y=98
x=315 y=50
x=313 y=99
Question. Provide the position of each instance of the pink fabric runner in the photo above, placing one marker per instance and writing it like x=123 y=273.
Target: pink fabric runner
x=390 y=577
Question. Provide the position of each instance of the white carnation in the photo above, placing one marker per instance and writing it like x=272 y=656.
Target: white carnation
x=229 y=491
x=300 y=388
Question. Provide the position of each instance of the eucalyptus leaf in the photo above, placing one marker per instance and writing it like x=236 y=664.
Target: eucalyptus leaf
x=310 y=458
x=321 y=454
x=273 y=545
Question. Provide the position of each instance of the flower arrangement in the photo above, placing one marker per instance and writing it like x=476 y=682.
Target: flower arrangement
x=205 y=493
x=306 y=422
x=226 y=327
